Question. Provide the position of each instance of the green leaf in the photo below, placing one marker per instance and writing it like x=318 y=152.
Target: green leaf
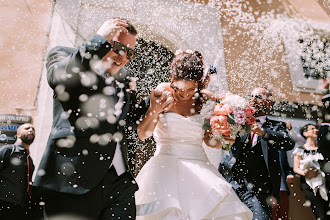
x=231 y=119
x=226 y=147
x=206 y=125
x=247 y=128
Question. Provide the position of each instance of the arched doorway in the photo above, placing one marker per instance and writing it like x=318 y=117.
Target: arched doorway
x=150 y=68
x=175 y=24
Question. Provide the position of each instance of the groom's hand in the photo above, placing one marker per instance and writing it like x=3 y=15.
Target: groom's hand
x=111 y=28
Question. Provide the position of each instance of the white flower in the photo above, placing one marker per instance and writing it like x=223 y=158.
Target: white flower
x=236 y=101
x=207 y=108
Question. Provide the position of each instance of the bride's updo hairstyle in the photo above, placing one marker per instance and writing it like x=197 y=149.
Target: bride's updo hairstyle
x=189 y=65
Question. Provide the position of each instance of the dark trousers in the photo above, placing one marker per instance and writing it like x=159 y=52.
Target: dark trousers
x=260 y=204
x=318 y=205
x=281 y=209
x=112 y=198
x=11 y=211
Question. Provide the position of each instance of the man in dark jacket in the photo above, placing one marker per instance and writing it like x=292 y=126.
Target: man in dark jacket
x=84 y=169
x=323 y=135
x=253 y=167
x=16 y=169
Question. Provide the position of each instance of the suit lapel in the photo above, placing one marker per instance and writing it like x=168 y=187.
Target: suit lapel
x=264 y=148
x=126 y=105
x=237 y=148
x=264 y=144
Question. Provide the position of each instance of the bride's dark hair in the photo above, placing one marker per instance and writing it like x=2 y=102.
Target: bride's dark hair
x=189 y=66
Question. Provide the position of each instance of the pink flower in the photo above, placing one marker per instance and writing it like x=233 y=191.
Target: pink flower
x=223 y=109
x=250 y=120
x=239 y=116
x=249 y=111
x=222 y=96
x=220 y=124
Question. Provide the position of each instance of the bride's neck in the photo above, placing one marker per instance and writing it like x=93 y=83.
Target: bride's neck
x=185 y=107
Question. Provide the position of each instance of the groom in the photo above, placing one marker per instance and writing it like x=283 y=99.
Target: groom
x=253 y=167
x=84 y=169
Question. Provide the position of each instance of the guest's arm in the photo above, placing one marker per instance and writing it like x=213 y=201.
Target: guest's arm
x=280 y=136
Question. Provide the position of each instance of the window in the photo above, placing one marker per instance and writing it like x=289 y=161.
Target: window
x=315 y=56
x=307 y=50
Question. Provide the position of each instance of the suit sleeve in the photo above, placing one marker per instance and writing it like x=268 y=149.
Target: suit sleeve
x=66 y=66
x=137 y=110
x=4 y=155
x=285 y=164
x=279 y=137
x=324 y=142
x=326 y=102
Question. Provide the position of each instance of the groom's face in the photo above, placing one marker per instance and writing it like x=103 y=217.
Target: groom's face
x=115 y=61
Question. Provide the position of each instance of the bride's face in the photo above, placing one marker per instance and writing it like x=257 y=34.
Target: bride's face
x=184 y=89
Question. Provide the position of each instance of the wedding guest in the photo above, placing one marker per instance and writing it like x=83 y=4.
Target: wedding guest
x=84 y=169
x=323 y=137
x=306 y=164
x=16 y=170
x=253 y=166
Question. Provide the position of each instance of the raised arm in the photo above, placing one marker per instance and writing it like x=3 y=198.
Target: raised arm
x=67 y=66
x=148 y=124
x=279 y=135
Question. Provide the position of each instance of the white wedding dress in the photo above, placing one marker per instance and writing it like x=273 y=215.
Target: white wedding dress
x=179 y=182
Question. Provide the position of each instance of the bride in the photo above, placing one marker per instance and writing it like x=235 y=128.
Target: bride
x=179 y=182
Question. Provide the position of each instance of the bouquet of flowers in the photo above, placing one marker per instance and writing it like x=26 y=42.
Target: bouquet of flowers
x=227 y=114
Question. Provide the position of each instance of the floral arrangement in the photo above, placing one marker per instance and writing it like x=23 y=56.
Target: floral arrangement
x=227 y=114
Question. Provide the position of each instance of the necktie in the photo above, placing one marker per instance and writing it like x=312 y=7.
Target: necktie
x=251 y=137
x=29 y=174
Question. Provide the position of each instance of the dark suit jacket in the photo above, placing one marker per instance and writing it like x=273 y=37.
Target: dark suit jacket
x=13 y=174
x=285 y=168
x=276 y=139
x=323 y=140
x=84 y=105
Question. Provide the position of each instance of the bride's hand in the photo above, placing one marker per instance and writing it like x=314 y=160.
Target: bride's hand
x=167 y=99
x=161 y=100
x=157 y=99
x=169 y=102
x=229 y=139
